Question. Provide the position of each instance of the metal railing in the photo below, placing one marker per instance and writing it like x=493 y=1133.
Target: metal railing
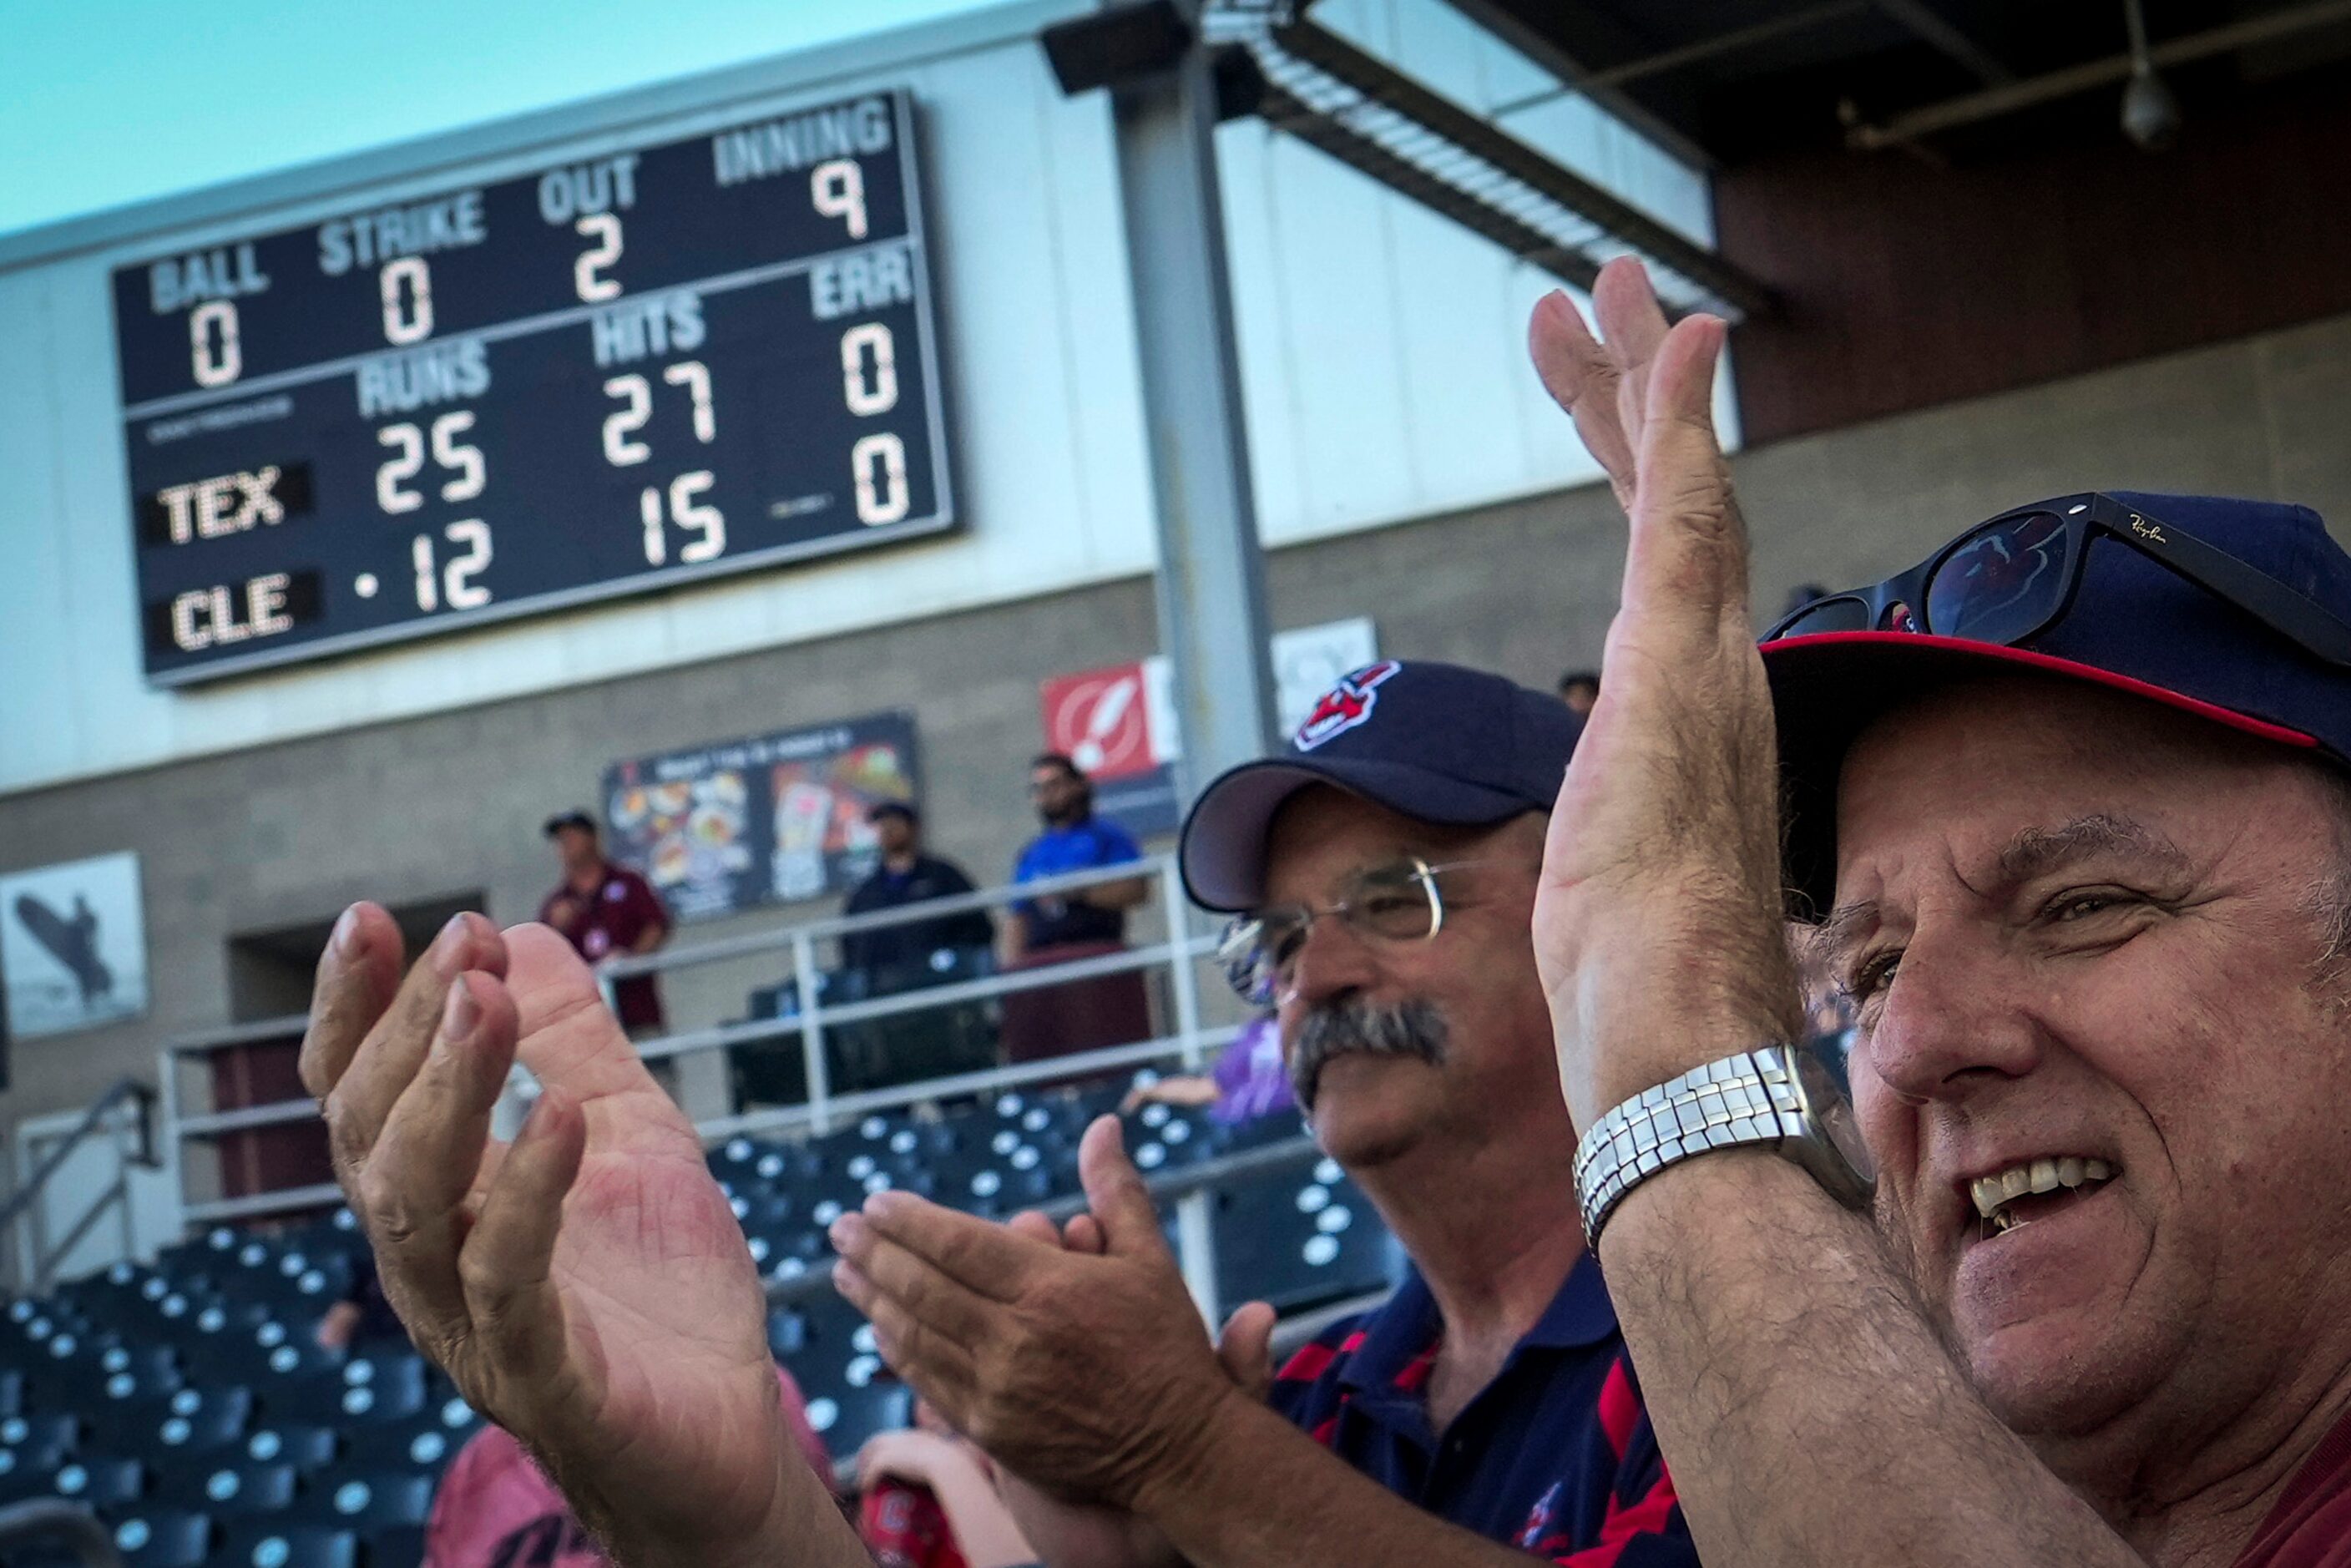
x=33 y=1258
x=1188 y=1042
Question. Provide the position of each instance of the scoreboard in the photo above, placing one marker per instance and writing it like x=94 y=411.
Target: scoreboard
x=655 y=365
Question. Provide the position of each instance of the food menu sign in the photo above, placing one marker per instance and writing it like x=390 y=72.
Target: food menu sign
x=776 y=818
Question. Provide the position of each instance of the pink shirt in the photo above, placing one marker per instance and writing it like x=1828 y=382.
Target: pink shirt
x=496 y=1508
x=2310 y=1525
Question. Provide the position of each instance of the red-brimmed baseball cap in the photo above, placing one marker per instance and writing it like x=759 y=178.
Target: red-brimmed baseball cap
x=2133 y=627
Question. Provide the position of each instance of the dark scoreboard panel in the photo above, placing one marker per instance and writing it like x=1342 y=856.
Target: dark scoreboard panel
x=614 y=374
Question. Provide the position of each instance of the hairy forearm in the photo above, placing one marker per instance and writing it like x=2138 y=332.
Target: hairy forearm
x=1261 y=1491
x=803 y=1528
x=1808 y=1413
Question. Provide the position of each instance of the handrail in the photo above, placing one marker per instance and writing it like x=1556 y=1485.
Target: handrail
x=1078 y=1064
x=878 y=919
x=22 y=1523
x=122 y=1088
x=811 y=1021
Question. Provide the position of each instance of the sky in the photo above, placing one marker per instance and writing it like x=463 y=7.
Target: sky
x=104 y=102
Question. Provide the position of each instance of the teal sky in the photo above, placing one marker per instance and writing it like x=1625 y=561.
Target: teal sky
x=109 y=101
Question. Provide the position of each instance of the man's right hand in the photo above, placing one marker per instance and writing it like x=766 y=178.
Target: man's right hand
x=587 y=1288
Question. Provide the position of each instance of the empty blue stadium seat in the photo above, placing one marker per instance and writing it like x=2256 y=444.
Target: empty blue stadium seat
x=101 y=1482
x=1299 y=1239
x=303 y=1445
x=163 y=1537
x=278 y=1545
x=232 y=1491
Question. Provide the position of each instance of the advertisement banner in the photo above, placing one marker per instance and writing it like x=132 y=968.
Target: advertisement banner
x=1118 y=723
x=774 y=818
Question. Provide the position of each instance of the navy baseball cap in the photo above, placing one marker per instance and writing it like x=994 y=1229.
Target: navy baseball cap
x=2133 y=626
x=1438 y=743
x=572 y=819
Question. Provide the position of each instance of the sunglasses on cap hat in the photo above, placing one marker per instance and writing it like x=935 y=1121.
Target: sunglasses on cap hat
x=2007 y=580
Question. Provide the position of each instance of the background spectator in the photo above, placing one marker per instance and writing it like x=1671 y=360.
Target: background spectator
x=1579 y=689
x=907 y=875
x=496 y=1508
x=1088 y=1014
x=1247 y=1081
x=930 y=1501
x=606 y=911
x=1074 y=840
x=362 y=1316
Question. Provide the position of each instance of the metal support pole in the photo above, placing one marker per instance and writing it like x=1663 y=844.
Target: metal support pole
x=167 y=1083
x=1195 y=1253
x=1183 y=974
x=1211 y=586
x=811 y=1021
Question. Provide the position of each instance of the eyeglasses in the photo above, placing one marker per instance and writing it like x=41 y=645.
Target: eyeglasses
x=1400 y=903
x=2007 y=580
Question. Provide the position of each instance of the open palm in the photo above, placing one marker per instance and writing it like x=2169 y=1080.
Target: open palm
x=587 y=1286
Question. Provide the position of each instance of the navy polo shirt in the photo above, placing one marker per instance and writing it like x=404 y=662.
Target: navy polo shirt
x=1554 y=1456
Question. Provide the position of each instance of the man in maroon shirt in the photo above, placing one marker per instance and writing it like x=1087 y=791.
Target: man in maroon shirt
x=606 y=911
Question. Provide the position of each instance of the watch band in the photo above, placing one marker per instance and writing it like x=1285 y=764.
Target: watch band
x=1749 y=1099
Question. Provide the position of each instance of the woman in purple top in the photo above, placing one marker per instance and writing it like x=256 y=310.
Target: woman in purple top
x=1247 y=1081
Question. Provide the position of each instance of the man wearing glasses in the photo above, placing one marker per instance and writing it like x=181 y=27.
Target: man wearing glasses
x=2071 y=799
x=1382 y=874
x=1486 y=1412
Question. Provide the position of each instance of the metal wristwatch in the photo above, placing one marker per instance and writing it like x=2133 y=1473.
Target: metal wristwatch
x=1782 y=1097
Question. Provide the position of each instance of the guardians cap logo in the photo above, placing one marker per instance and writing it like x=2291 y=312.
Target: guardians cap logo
x=1344 y=706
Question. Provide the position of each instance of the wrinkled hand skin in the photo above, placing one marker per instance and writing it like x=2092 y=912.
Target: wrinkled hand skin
x=587 y=1288
x=1657 y=924
x=1084 y=1368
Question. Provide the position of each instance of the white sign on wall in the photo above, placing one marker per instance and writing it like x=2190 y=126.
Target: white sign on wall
x=73 y=946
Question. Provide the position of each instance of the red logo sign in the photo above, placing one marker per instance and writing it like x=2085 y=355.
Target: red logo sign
x=1099 y=720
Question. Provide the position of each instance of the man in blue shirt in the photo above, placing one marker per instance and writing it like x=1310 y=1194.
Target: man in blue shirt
x=1074 y=840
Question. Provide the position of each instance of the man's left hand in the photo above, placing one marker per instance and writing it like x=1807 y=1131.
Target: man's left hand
x=1657 y=925
x=1087 y=1373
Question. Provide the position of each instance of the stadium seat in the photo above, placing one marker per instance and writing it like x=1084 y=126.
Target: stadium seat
x=1299 y=1239
x=850 y=1394
x=369 y=1500
x=277 y=1544
x=422 y=1445
x=393 y=1546
x=40 y=1441
x=101 y=1482
x=164 y=1538
x=232 y=1491
x=305 y=1447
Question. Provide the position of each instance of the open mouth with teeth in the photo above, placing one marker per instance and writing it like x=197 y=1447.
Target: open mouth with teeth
x=2023 y=1193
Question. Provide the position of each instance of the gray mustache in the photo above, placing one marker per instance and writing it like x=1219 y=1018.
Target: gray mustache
x=1414 y=1028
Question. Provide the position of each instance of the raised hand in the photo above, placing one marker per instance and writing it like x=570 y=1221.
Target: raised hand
x=587 y=1288
x=1657 y=924
x=1087 y=1374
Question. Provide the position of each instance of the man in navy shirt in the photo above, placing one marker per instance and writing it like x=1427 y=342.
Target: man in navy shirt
x=1384 y=869
x=1074 y=840
x=907 y=875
